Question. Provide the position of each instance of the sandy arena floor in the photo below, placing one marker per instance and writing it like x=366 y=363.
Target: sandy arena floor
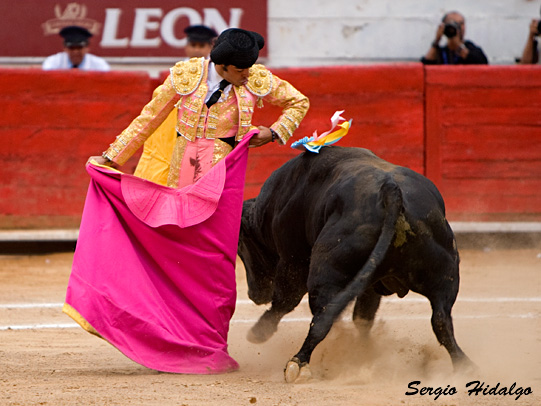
x=45 y=359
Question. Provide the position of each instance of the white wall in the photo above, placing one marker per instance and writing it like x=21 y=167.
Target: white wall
x=327 y=32
x=338 y=32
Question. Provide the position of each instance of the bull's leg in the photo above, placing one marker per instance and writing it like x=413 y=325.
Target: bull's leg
x=364 y=312
x=442 y=324
x=365 y=309
x=297 y=369
x=290 y=287
x=440 y=285
x=331 y=268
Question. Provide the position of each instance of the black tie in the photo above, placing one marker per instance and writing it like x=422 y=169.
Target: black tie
x=216 y=95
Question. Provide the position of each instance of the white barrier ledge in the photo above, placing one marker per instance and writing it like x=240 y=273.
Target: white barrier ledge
x=495 y=227
x=39 y=235
x=457 y=226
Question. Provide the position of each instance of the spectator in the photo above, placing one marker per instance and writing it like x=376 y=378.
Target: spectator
x=200 y=41
x=530 y=54
x=457 y=51
x=75 y=54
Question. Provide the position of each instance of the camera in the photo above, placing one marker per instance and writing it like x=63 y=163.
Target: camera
x=451 y=29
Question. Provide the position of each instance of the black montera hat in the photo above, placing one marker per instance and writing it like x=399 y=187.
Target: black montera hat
x=200 y=33
x=75 y=36
x=237 y=47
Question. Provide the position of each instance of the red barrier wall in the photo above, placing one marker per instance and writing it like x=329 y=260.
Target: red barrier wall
x=50 y=123
x=475 y=131
x=385 y=103
x=483 y=148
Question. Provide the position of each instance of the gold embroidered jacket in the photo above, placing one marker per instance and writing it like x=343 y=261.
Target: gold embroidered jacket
x=186 y=88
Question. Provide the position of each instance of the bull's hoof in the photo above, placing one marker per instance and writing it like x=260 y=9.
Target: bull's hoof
x=260 y=333
x=254 y=338
x=297 y=373
x=292 y=371
x=465 y=366
x=363 y=327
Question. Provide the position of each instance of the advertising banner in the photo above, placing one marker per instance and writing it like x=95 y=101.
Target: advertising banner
x=139 y=29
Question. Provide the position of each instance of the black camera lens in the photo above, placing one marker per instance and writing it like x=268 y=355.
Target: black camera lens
x=450 y=30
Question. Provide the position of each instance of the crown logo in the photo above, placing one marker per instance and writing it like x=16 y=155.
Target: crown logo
x=73 y=11
x=73 y=14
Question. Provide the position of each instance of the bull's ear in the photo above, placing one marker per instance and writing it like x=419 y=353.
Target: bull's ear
x=247 y=208
x=245 y=220
x=249 y=202
x=246 y=214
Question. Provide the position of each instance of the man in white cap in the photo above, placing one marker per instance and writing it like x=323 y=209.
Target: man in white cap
x=75 y=54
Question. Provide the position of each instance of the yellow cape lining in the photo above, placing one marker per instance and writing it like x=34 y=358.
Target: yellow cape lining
x=75 y=315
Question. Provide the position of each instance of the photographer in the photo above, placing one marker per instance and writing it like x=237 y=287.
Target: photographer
x=457 y=51
x=530 y=55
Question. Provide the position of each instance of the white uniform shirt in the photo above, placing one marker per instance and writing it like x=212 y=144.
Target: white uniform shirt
x=61 y=60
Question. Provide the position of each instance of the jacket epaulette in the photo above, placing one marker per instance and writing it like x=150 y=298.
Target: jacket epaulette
x=186 y=75
x=260 y=81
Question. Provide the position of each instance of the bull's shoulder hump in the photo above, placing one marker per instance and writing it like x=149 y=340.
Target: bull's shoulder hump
x=340 y=153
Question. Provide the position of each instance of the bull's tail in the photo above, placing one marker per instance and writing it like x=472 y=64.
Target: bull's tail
x=392 y=201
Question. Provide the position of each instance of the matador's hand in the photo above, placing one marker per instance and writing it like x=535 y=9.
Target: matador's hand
x=100 y=160
x=263 y=137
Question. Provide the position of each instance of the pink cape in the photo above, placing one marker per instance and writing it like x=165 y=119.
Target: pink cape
x=154 y=268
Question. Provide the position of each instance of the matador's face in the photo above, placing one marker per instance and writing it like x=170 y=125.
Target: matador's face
x=234 y=75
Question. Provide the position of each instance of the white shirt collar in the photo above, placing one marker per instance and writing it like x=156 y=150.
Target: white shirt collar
x=213 y=77
x=213 y=82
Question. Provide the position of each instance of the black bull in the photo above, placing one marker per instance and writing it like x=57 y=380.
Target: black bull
x=342 y=225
